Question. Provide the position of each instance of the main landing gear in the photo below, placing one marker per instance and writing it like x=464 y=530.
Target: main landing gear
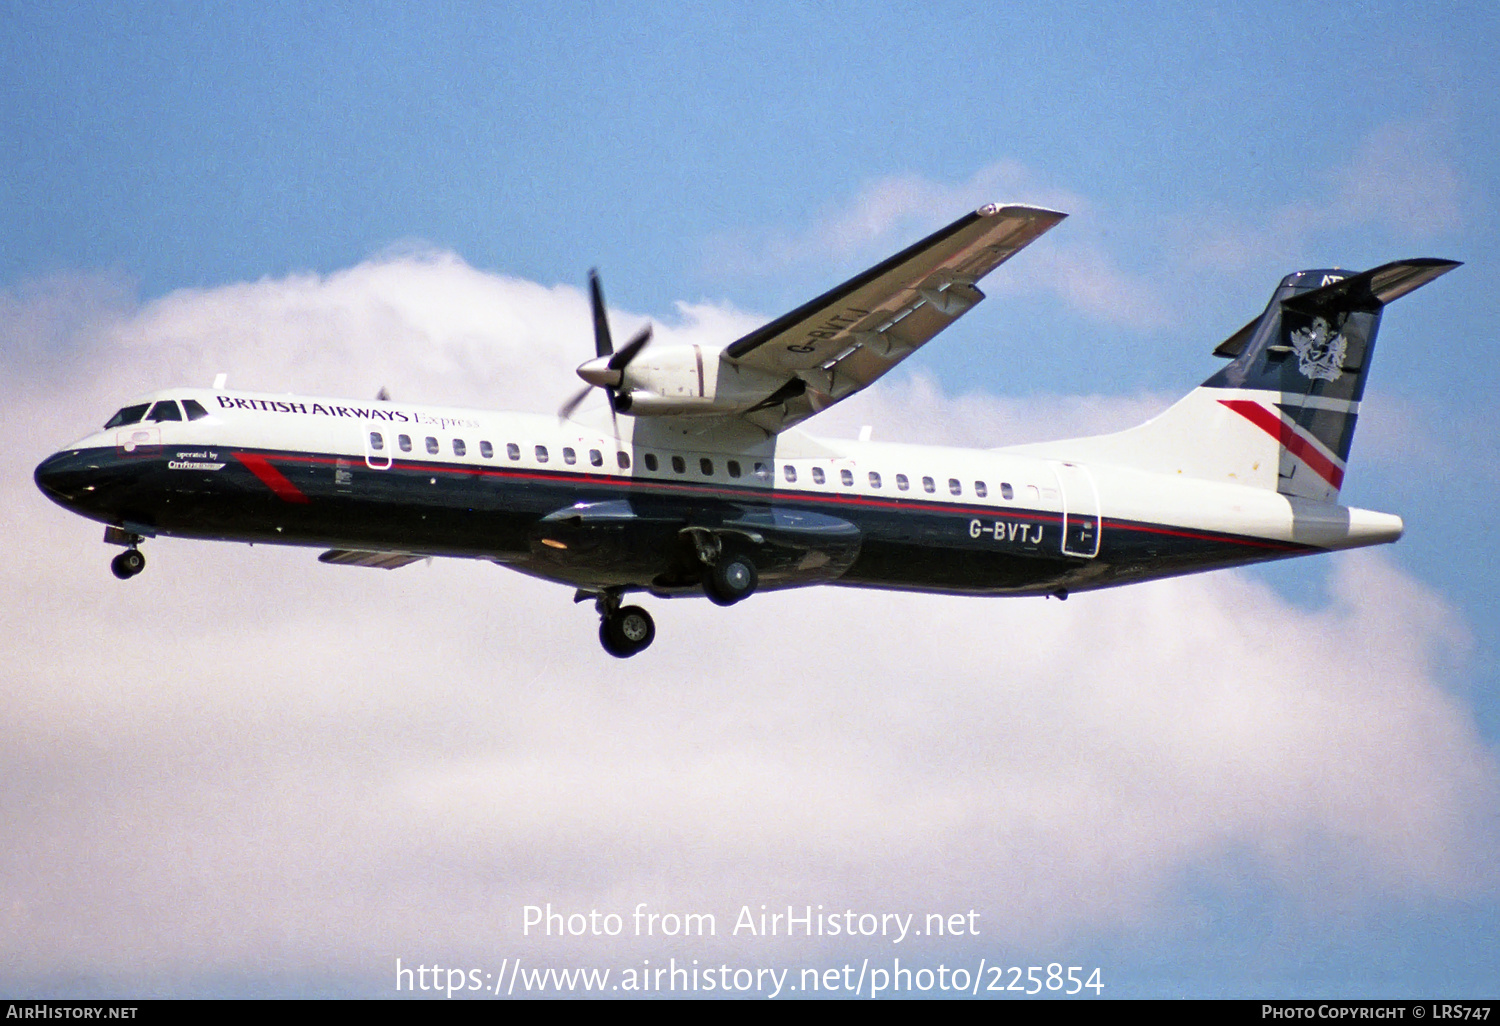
x=730 y=579
x=623 y=631
x=729 y=575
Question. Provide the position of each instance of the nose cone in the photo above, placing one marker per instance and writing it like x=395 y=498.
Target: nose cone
x=52 y=476
x=71 y=478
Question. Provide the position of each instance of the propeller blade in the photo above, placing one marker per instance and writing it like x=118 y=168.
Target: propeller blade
x=572 y=404
x=621 y=360
x=604 y=347
x=602 y=343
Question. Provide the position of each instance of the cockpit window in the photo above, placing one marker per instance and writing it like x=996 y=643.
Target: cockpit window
x=129 y=415
x=164 y=410
x=194 y=409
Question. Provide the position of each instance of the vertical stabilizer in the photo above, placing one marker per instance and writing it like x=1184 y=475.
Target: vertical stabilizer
x=1282 y=414
x=1299 y=374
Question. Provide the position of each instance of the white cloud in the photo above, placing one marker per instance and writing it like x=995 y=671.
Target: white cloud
x=244 y=761
x=916 y=410
x=1401 y=178
x=891 y=213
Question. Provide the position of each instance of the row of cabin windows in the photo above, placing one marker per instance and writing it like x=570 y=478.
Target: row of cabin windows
x=679 y=465
x=903 y=483
x=166 y=410
x=487 y=451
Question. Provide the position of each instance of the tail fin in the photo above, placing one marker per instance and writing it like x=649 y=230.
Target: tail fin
x=1311 y=351
x=1281 y=415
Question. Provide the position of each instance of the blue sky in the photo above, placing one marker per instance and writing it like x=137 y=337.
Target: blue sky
x=177 y=179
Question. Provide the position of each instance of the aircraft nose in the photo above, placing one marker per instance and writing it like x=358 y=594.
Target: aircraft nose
x=63 y=478
x=50 y=474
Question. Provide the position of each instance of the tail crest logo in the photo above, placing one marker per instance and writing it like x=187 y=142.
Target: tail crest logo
x=1320 y=350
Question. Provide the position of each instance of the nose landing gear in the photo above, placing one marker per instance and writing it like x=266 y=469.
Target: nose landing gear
x=128 y=563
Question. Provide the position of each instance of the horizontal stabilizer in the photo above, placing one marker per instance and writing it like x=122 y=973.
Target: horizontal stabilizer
x=360 y=557
x=1372 y=289
x=1234 y=345
x=1368 y=290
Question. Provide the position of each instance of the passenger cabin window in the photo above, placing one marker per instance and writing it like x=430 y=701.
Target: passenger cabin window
x=129 y=415
x=847 y=476
x=432 y=446
x=486 y=450
x=569 y=456
x=541 y=454
x=405 y=442
x=596 y=458
x=194 y=409
x=377 y=443
x=679 y=464
x=650 y=461
x=762 y=472
x=459 y=449
x=164 y=410
x=874 y=479
x=928 y=485
x=980 y=490
x=1006 y=491
x=513 y=450
x=623 y=458
x=954 y=488
x=789 y=472
x=818 y=476
x=734 y=468
x=902 y=483
x=707 y=466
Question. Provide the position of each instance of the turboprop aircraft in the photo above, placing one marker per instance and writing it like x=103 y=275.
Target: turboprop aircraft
x=701 y=483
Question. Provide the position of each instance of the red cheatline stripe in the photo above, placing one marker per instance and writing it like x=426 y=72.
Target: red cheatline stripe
x=271 y=477
x=786 y=496
x=1273 y=425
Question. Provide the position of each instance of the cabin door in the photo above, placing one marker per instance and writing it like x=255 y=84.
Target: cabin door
x=378 y=444
x=1080 y=512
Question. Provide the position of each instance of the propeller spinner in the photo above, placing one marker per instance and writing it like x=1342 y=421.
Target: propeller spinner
x=607 y=369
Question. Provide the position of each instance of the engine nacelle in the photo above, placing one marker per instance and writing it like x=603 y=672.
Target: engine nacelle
x=689 y=380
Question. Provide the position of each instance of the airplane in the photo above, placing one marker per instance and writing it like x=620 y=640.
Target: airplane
x=701 y=483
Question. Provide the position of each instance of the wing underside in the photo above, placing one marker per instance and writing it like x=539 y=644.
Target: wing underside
x=832 y=347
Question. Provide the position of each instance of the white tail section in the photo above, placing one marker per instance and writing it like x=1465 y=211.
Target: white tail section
x=1200 y=436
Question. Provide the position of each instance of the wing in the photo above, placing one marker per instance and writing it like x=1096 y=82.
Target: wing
x=837 y=344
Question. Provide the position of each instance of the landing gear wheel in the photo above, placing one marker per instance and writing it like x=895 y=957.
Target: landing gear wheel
x=127 y=564
x=730 y=580
x=626 y=632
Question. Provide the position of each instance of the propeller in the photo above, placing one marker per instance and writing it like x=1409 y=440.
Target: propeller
x=607 y=369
